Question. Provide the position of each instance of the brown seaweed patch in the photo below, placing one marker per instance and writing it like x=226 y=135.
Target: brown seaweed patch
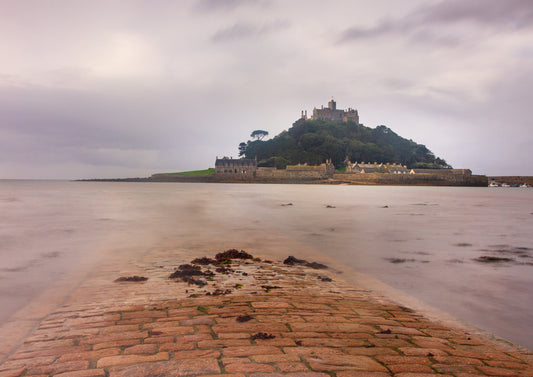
x=233 y=254
x=291 y=261
x=219 y=292
x=131 y=278
x=224 y=270
x=491 y=259
x=263 y=335
x=185 y=271
x=244 y=318
x=522 y=252
x=268 y=288
x=198 y=282
x=399 y=260
x=204 y=261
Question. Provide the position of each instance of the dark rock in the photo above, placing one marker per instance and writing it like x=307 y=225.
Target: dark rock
x=292 y=260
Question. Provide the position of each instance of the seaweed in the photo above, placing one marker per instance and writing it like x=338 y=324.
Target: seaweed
x=224 y=270
x=204 y=261
x=244 y=318
x=203 y=309
x=491 y=259
x=233 y=254
x=399 y=260
x=263 y=335
x=219 y=292
x=291 y=261
x=131 y=278
x=268 y=288
x=187 y=270
x=200 y=283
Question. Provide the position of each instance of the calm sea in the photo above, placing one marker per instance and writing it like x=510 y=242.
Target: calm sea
x=438 y=244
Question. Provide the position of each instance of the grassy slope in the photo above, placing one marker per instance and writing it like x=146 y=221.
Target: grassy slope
x=195 y=172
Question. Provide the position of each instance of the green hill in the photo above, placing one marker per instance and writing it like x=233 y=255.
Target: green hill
x=314 y=141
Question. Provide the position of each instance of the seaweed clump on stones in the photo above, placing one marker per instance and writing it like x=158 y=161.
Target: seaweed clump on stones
x=186 y=271
x=232 y=254
x=204 y=261
x=263 y=335
x=223 y=270
x=244 y=318
x=489 y=259
x=291 y=261
x=131 y=278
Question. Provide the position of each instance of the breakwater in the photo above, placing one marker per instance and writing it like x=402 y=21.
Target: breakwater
x=283 y=177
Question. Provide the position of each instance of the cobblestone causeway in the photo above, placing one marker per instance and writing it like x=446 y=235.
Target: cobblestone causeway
x=318 y=328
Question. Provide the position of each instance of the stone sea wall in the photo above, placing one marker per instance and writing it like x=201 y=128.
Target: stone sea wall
x=412 y=179
x=273 y=175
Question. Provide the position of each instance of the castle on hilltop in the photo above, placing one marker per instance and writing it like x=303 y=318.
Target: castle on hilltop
x=331 y=113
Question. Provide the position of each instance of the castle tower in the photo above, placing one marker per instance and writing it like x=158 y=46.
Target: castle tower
x=332 y=105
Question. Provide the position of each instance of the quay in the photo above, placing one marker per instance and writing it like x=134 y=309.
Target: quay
x=256 y=318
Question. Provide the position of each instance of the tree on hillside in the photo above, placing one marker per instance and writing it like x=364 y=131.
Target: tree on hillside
x=242 y=149
x=259 y=134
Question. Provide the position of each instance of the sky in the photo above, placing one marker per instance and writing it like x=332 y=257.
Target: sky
x=129 y=88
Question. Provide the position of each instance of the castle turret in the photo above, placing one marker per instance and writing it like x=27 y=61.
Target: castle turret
x=331 y=113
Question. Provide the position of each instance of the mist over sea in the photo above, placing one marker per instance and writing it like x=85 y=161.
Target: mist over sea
x=466 y=251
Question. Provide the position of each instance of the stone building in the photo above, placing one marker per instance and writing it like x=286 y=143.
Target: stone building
x=300 y=171
x=331 y=113
x=464 y=172
x=241 y=166
x=361 y=167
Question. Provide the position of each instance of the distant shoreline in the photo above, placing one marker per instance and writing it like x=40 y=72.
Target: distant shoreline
x=368 y=179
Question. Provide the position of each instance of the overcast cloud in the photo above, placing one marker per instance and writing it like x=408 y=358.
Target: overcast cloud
x=132 y=88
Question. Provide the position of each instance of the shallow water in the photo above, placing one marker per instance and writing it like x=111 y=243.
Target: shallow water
x=425 y=241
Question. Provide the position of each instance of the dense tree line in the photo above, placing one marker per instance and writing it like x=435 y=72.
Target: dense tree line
x=314 y=141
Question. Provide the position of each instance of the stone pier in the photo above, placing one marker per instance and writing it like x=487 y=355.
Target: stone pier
x=253 y=318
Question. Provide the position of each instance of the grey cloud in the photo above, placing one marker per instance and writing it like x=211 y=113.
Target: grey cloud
x=510 y=14
x=518 y=13
x=226 y=5
x=242 y=30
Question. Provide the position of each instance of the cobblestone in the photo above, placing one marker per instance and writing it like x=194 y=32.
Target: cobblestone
x=318 y=330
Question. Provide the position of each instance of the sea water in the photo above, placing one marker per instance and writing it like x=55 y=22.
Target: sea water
x=466 y=251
